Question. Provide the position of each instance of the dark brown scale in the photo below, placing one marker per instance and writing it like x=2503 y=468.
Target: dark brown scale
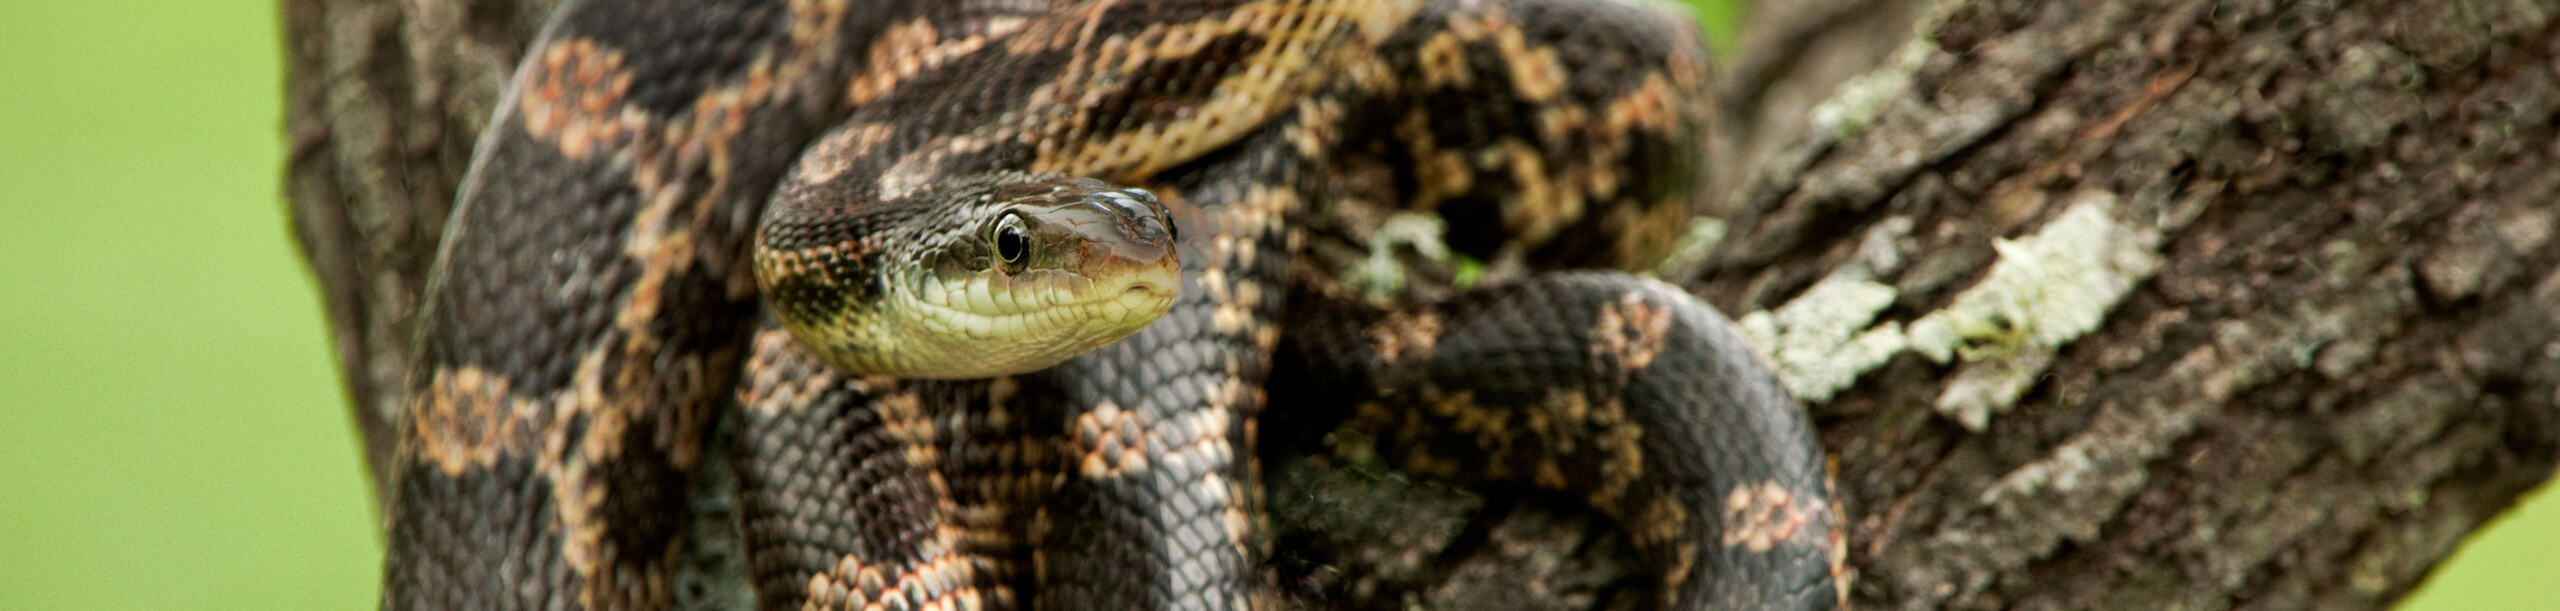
x=675 y=51
x=1066 y=488
x=1563 y=367
x=1607 y=50
x=620 y=360
x=852 y=488
x=853 y=260
x=1172 y=85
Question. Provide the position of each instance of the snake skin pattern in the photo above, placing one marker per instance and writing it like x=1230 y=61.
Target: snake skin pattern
x=593 y=314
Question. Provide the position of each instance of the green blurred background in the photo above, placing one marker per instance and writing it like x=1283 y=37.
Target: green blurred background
x=172 y=432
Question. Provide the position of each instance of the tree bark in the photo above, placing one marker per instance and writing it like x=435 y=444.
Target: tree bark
x=2342 y=355
x=2098 y=303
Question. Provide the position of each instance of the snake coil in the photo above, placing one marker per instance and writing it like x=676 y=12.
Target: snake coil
x=1004 y=302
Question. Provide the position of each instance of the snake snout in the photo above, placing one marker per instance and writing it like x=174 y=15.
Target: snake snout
x=1139 y=215
x=1127 y=234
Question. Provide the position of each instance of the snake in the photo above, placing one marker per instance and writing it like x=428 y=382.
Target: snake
x=1006 y=303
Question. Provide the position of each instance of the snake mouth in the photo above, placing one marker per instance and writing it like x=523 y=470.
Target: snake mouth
x=994 y=323
x=1157 y=275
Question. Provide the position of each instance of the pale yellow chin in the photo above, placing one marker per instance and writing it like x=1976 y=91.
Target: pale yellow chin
x=993 y=324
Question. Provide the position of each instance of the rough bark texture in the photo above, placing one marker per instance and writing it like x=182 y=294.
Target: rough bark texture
x=384 y=99
x=2346 y=358
x=2320 y=343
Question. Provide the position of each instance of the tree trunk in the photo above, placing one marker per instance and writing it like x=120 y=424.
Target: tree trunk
x=2121 y=303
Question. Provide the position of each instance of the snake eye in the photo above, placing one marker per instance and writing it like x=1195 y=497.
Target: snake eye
x=1010 y=242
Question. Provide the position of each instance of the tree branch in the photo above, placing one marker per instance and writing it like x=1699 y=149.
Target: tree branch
x=2338 y=355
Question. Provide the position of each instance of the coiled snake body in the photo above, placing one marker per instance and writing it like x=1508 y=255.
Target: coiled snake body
x=967 y=197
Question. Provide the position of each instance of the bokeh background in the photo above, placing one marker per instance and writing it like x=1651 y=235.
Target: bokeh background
x=172 y=432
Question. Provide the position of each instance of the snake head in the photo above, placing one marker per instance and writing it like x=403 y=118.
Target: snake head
x=989 y=275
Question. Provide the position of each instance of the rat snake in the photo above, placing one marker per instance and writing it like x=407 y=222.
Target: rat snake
x=596 y=309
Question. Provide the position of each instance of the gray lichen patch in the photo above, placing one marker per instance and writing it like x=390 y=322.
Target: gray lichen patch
x=2045 y=290
x=1820 y=342
x=1859 y=99
x=1381 y=274
x=1703 y=235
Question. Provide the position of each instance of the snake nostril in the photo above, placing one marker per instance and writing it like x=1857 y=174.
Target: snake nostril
x=1124 y=204
x=1147 y=218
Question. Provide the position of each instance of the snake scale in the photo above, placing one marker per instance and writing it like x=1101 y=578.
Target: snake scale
x=595 y=309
